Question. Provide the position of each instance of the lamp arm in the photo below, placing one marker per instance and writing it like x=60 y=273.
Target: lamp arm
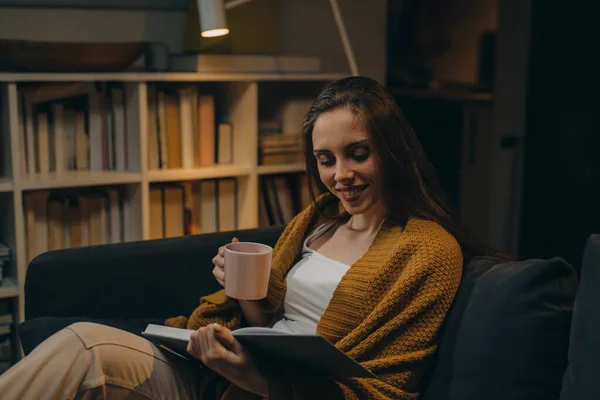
x=235 y=3
x=339 y=22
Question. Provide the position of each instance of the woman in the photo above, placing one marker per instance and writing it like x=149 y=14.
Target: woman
x=372 y=265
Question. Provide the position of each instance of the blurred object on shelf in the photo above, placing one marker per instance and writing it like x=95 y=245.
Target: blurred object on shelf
x=156 y=57
x=40 y=56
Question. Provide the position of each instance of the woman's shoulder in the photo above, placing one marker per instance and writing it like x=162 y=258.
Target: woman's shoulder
x=433 y=240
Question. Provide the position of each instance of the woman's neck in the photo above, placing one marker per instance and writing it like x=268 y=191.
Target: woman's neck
x=367 y=222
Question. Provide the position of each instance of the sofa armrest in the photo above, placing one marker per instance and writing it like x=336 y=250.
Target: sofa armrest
x=145 y=279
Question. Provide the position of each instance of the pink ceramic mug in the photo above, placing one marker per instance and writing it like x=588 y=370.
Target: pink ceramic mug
x=247 y=270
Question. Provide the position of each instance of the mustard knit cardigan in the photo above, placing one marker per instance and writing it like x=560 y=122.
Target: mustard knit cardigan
x=386 y=312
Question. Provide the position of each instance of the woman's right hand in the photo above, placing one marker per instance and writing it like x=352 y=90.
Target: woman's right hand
x=219 y=263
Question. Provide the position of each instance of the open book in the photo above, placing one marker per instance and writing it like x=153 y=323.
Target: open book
x=312 y=352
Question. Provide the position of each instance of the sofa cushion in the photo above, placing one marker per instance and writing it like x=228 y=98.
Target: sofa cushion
x=34 y=331
x=507 y=333
x=581 y=381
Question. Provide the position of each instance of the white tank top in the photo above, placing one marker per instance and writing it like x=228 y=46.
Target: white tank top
x=310 y=286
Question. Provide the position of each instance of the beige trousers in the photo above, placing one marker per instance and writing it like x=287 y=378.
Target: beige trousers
x=92 y=361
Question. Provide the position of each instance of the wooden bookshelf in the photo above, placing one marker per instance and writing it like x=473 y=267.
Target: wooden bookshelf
x=281 y=169
x=5 y=185
x=215 y=172
x=239 y=96
x=71 y=179
x=166 y=77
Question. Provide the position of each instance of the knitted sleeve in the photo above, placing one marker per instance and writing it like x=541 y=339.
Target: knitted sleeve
x=398 y=347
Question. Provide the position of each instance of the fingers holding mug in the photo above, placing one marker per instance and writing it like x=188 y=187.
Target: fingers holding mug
x=219 y=274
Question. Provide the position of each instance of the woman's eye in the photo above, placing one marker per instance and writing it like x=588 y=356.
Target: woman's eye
x=326 y=163
x=361 y=155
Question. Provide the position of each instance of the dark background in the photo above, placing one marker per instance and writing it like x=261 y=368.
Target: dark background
x=560 y=193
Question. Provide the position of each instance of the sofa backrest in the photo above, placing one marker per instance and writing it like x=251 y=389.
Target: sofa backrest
x=147 y=279
x=582 y=380
x=507 y=333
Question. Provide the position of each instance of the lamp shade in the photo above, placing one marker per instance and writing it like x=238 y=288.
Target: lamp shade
x=212 y=18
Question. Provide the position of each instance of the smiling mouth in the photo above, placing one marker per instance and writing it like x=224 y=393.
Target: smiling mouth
x=353 y=190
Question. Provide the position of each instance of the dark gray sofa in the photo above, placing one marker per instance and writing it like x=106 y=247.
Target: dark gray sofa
x=507 y=336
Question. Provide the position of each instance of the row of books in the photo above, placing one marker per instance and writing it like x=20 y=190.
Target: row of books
x=66 y=218
x=182 y=132
x=6 y=323
x=277 y=147
x=73 y=126
x=189 y=208
x=72 y=218
x=280 y=137
x=206 y=206
x=281 y=198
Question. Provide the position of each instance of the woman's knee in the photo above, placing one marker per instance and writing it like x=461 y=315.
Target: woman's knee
x=93 y=334
x=116 y=356
x=88 y=328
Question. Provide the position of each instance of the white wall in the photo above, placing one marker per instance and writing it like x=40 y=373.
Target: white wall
x=306 y=27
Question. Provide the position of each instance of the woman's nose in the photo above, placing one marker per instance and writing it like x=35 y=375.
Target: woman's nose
x=343 y=173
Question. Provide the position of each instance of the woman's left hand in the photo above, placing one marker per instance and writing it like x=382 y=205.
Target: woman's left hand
x=216 y=347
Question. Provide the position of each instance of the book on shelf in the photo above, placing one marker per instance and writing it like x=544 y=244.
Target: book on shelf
x=277 y=147
x=225 y=143
x=310 y=351
x=187 y=208
x=73 y=127
x=4 y=252
x=167 y=208
x=6 y=318
x=5 y=329
x=281 y=198
x=293 y=111
x=226 y=204
x=72 y=218
x=182 y=129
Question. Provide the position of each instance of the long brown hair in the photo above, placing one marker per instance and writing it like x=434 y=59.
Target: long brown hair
x=410 y=181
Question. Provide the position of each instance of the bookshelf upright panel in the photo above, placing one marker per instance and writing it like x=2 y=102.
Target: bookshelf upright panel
x=5 y=141
x=15 y=215
x=242 y=113
x=137 y=118
x=136 y=104
x=8 y=236
x=132 y=206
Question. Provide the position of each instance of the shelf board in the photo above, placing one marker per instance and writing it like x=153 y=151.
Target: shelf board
x=213 y=172
x=5 y=185
x=443 y=94
x=280 y=168
x=69 y=179
x=167 y=77
x=8 y=288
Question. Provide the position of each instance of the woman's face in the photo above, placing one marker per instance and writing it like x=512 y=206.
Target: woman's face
x=345 y=160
